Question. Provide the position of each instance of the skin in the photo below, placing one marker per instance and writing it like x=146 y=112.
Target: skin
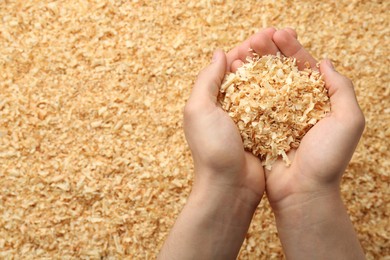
x=229 y=183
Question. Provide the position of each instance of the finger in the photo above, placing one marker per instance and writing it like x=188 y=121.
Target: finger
x=206 y=88
x=235 y=65
x=343 y=100
x=235 y=53
x=291 y=47
x=292 y=32
x=243 y=50
x=262 y=42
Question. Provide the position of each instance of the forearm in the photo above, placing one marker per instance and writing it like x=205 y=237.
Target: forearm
x=212 y=225
x=317 y=228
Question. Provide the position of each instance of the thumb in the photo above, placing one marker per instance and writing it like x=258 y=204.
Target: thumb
x=206 y=88
x=343 y=100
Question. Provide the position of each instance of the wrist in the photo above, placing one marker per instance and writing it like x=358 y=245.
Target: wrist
x=317 y=227
x=307 y=209
x=226 y=188
x=224 y=201
x=212 y=225
x=295 y=190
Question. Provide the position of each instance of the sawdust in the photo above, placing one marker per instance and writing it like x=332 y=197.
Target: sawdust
x=93 y=160
x=273 y=104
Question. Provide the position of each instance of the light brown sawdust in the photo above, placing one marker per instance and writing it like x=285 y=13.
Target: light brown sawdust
x=93 y=161
x=273 y=104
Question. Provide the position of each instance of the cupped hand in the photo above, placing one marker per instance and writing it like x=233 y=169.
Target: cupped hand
x=217 y=149
x=327 y=148
x=311 y=219
x=325 y=151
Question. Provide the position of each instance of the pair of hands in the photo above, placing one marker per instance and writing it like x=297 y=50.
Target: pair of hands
x=311 y=219
x=217 y=149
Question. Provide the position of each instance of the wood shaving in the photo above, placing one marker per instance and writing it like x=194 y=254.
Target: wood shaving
x=93 y=159
x=273 y=104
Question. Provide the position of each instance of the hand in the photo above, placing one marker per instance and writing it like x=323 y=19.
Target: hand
x=213 y=137
x=311 y=219
x=325 y=151
x=229 y=182
x=327 y=148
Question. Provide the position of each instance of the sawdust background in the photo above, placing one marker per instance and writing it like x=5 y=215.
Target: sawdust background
x=93 y=160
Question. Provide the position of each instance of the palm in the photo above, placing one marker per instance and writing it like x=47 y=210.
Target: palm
x=321 y=158
x=310 y=163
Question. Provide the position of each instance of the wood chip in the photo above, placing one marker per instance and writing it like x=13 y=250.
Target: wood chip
x=132 y=63
x=273 y=104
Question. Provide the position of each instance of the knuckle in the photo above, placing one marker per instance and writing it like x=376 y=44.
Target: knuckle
x=357 y=122
x=347 y=81
x=360 y=121
x=202 y=73
x=189 y=110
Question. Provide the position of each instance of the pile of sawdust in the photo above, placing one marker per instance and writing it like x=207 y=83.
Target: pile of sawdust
x=93 y=159
x=273 y=104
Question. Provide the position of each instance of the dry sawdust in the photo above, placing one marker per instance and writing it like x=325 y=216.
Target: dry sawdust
x=273 y=104
x=93 y=161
